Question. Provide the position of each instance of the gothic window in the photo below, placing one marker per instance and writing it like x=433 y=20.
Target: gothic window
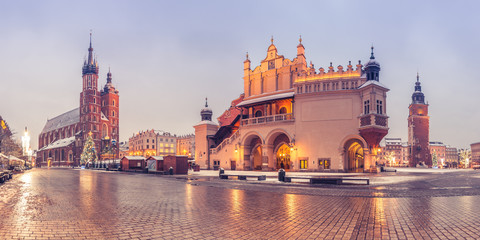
x=113 y=102
x=258 y=113
x=113 y=113
x=94 y=118
x=89 y=83
x=94 y=100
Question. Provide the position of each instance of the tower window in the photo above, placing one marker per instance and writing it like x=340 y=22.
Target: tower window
x=113 y=113
x=366 y=107
x=379 y=107
x=113 y=102
x=94 y=100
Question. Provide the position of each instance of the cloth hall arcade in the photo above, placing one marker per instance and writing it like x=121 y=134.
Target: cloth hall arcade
x=299 y=118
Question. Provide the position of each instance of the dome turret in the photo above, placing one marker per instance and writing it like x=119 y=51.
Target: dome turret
x=418 y=97
x=206 y=112
x=372 y=68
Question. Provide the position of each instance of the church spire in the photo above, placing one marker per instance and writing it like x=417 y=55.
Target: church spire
x=91 y=65
x=418 y=97
x=371 y=56
x=90 y=52
x=109 y=76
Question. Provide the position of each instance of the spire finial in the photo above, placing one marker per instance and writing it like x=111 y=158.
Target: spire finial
x=271 y=39
x=300 y=40
x=206 y=102
x=372 y=57
x=418 y=77
x=247 y=55
x=90 y=38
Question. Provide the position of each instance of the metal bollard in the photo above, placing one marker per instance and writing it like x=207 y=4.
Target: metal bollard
x=170 y=171
x=220 y=172
x=281 y=175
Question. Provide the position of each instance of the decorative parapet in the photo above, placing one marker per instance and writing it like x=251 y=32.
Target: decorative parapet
x=373 y=119
x=267 y=119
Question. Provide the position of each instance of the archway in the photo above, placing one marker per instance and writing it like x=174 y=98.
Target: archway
x=354 y=156
x=281 y=150
x=283 y=156
x=252 y=154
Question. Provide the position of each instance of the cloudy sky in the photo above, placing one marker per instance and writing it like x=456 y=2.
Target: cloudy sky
x=167 y=56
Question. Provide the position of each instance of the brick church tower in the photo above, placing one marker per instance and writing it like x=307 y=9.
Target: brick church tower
x=418 y=129
x=110 y=111
x=99 y=110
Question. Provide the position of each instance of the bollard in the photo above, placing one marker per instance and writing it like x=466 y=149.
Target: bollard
x=222 y=171
x=170 y=171
x=281 y=175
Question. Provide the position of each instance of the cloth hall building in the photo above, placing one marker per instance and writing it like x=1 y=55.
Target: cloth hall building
x=298 y=118
x=62 y=138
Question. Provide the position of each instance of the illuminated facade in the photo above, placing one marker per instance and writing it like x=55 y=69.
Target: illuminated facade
x=438 y=149
x=186 y=145
x=418 y=129
x=475 y=148
x=152 y=143
x=299 y=118
x=62 y=138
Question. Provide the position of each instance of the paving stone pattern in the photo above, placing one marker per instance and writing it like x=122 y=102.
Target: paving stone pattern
x=85 y=204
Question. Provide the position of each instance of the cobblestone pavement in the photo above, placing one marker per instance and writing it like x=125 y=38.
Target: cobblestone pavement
x=85 y=204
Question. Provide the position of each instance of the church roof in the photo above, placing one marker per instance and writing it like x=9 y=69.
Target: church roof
x=104 y=117
x=63 y=120
x=59 y=143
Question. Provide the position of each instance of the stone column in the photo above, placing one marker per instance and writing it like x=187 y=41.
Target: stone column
x=268 y=158
x=368 y=159
x=246 y=157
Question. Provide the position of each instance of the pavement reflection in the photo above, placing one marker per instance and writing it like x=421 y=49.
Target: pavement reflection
x=78 y=204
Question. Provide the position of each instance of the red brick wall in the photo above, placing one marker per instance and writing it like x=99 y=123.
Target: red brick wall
x=418 y=124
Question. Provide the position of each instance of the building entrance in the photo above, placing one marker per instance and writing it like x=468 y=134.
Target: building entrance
x=283 y=157
x=355 y=157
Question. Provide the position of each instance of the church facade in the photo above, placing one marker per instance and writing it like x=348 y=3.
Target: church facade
x=62 y=138
x=298 y=118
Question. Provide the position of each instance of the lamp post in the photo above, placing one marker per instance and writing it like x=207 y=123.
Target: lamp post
x=114 y=145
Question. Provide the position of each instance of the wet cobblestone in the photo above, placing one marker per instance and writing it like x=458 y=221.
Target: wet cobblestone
x=84 y=204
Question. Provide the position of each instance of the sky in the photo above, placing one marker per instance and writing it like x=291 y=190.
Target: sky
x=167 y=56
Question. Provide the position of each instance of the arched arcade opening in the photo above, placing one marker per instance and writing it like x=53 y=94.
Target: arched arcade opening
x=354 y=156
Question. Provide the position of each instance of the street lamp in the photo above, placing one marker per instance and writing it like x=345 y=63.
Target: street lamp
x=114 y=144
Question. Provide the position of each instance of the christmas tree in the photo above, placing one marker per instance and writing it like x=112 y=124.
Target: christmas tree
x=89 y=154
x=434 y=160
